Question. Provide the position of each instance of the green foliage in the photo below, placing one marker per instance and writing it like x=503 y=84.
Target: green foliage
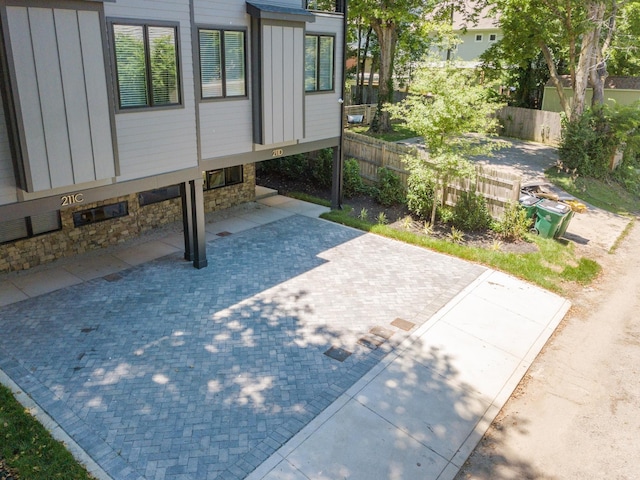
x=322 y=167
x=470 y=213
x=420 y=187
x=28 y=448
x=389 y=189
x=455 y=235
x=352 y=184
x=589 y=142
x=382 y=219
x=445 y=214
x=514 y=224
x=364 y=214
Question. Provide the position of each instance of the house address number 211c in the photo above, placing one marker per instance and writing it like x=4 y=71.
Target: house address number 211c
x=71 y=199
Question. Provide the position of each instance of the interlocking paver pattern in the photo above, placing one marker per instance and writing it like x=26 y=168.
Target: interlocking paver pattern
x=172 y=373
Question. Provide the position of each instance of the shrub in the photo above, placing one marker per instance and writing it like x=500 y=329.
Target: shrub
x=389 y=189
x=445 y=213
x=420 y=192
x=514 y=224
x=321 y=165
x=352 y=184
x=470 y=213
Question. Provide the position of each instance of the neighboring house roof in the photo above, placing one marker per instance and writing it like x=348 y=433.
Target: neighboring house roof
x=484 y=20
x=611 y=83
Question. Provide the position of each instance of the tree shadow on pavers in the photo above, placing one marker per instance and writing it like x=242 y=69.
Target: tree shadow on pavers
x=172 y=372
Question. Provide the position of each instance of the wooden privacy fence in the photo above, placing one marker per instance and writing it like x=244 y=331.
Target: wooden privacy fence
x=496 y=186
x=352 y=112
x=528 y=124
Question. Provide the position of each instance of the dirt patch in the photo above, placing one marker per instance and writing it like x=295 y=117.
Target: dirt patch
x=397 y=216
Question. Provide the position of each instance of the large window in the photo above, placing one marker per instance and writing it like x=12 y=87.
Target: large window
x=147 y=65
x=29 y=226
x=318 y=63
x=100 y=214
x=222 y=63
x=223 y=177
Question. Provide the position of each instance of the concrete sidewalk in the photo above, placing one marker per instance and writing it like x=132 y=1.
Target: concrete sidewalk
x=466 y=338
x=421 y=411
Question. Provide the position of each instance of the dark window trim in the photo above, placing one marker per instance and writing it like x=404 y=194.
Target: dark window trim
x=333 y=61
x=29 y=228
x=224 y=96
x=206 y=186
x=78 y=214
x=159 y=197
x=111 y=21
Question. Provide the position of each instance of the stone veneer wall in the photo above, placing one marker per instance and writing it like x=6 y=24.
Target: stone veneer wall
x=71 y=240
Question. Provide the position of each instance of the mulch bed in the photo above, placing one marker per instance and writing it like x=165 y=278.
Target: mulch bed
x=396 y=215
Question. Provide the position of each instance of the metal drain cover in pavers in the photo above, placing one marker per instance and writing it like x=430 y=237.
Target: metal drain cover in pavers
x=403 y=324
x=382 y=332
x=371 y=341
x=206 y=373
x=338 y=353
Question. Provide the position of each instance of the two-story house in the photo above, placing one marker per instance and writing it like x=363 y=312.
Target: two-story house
x=121 y=115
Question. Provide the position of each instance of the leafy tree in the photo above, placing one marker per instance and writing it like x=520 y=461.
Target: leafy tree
x=575 y=34
x=445 y=105
x=388 y=19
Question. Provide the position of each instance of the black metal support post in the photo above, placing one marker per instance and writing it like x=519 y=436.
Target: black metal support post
x=197 y=220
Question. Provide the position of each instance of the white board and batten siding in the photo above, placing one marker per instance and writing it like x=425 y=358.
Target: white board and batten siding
x=156 y=141
x=322 y=110
x=282 y=77
x=8 y=192
x=62 y=102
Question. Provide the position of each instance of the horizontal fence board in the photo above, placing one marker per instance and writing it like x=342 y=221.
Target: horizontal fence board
x=498 y=187
x=528 y=124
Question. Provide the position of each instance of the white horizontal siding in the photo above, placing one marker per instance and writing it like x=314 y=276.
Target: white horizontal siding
x=153 y=141
x=225 y=128
x=229 y=14
x=8 y=192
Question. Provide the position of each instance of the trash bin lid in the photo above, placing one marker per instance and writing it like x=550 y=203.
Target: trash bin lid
x=528 y=200
x=555 y=207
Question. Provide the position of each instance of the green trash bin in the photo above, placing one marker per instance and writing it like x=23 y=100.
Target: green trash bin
x=550 y=216
x=565 y=223
x=528 y=202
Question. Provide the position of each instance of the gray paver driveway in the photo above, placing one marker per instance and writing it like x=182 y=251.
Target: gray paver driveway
x=168 y=372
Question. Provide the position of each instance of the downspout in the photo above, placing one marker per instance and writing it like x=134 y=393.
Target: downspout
x=338 y=155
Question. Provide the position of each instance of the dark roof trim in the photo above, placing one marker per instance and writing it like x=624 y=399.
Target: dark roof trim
x=275 y=12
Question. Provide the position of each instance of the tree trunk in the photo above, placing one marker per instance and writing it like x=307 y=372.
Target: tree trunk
x=387 y=38
x=360 y=81
x=599 y=73
x=555 y=78
x=588 y=58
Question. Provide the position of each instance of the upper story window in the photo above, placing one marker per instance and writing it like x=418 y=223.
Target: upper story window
x=146 y=65
x=326 y=5
x=493 y=37
x=478 y=37
x=318 y=63
x=222 y=63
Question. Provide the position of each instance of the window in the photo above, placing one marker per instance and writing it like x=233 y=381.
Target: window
x=100 y=214
x=223 y=177
x=318 y=63
x=479 y=37
x=222 y=63
x=493 y=37
x=30 y=226
x=146 y=65
x=158 y=195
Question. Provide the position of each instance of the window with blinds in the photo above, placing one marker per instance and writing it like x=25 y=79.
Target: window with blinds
x=222 y=63
x=147 y=65
x=28 y=227
x=318 y=64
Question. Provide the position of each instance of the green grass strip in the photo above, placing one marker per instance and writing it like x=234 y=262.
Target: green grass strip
x=29 y=449
x=548 y=268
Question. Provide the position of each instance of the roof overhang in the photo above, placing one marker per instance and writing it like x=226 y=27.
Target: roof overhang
x=275 y=12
